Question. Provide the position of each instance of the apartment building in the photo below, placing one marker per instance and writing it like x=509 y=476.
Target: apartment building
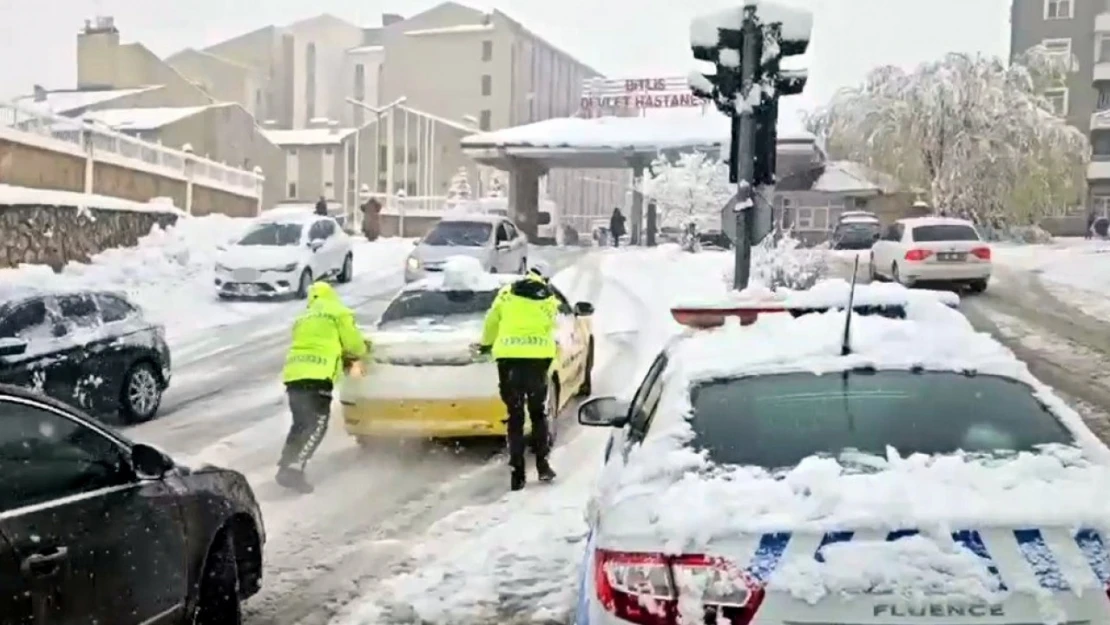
x=1078 y=30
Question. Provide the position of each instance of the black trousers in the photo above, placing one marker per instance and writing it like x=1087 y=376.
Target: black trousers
x=310 y=403
x=523 y=385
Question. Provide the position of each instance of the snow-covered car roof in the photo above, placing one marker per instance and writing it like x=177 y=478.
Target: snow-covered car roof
x=21 y=290
x=911 y=222
x=281 y=216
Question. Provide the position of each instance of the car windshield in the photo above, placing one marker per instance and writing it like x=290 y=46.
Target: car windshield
x=462 y=233
x=422 y=304
x=774 y=421
x=860 y=229
x=945 y=232
x=273 y=234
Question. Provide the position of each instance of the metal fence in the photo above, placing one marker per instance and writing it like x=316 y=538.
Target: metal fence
x=23 y=124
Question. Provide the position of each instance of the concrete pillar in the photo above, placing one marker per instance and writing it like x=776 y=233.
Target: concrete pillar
x=524 y=196
x=189 y=172
x=90 y=158
x=637 y=219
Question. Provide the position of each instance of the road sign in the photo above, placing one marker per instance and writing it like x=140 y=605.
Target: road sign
x=762 y=221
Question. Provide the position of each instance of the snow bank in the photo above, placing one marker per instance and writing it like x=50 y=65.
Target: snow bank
x=1077 y=271
x=14 y=196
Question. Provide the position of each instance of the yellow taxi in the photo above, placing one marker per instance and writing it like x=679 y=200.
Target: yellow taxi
x=421 y=378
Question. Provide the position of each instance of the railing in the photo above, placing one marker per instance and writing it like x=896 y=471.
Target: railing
x=46 y=130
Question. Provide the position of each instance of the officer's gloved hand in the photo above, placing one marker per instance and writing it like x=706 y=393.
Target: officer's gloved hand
x=480 y=352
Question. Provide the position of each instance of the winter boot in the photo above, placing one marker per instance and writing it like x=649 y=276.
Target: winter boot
x=293 y=479
x=544 y=469
x=517 y=479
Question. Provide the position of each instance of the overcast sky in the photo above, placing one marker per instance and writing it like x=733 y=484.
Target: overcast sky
x=620 y=38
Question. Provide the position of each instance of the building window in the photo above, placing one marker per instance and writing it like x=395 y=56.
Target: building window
x=1100 y=146
x=484 y=120
x=292 y=190
x=1102 y=49
x=1058 y=101
x=487 y=50
x=411 y=188
x=310 y=81
x=1103 y=103
x=1059 y=49
x=414 y=155
x=1059 y=9
x=487 y=85
x=1100 y=205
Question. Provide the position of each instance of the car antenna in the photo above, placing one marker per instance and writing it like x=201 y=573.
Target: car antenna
x=845 y=344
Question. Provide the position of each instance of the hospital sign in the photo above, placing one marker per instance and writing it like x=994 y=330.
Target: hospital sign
x=638 y=93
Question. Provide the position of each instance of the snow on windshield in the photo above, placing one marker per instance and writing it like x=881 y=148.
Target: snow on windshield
x=460 y=233
x=273 y=234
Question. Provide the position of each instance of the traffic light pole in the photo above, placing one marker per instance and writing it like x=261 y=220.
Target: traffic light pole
x=744 y=125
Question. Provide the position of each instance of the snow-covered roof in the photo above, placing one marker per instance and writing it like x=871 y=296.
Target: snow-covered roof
x=66 y=101
x=309 y=136
x=845 y=176
x=449 y=30
x=618 y=133
x=24 y=196
x=143 y=118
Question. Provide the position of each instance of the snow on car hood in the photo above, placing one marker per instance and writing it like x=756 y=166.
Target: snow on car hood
x=430 y=340
x=260 y=256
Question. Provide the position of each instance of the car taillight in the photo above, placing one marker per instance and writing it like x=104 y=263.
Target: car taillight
x=983 y=253
x=915 y=255
x=657 y=589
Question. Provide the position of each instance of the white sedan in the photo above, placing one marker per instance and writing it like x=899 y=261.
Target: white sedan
x=282 y=255
x=932 y=249
x=763 y=475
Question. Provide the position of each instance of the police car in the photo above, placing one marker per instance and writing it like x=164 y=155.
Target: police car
x=788 y=462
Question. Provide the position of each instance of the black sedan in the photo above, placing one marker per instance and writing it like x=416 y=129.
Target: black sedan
x=97 y=529
x=91 y=349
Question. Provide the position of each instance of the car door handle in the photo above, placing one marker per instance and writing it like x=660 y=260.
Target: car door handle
x=44 y=564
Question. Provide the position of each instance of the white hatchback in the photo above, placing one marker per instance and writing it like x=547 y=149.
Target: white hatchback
x=282 y=255
x=932 y=249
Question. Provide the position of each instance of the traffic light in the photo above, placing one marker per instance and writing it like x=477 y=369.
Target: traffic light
x=722 y=86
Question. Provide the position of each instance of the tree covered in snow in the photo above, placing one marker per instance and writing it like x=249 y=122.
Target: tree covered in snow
x=459 y=188
x=974 y=134
x=692 y=188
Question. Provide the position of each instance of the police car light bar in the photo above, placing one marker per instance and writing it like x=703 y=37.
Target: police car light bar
x=702 y=318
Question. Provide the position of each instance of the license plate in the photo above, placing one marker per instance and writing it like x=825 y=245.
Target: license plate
x=951 y=256
x=245 y=275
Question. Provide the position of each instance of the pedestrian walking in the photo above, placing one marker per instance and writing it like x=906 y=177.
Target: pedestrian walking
x=519 y=332
x=616 y=226
x=324 y=335
x=322 y=207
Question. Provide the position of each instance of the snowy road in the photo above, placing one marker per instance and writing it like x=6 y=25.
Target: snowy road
x=226 y=406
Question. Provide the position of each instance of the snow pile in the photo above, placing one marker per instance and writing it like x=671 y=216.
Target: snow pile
x=1076 y=271
x=16 y=196
x=168 y=272
x=465 y=273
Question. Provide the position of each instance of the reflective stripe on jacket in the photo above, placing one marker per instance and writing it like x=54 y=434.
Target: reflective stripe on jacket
x=322 y=335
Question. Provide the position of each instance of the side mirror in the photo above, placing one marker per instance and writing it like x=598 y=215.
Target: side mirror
x=315 y=245
x=503 y=245
x=59 y=330
x=603 y=412
x=583 y=309
x=12 y=347
x=150 y=463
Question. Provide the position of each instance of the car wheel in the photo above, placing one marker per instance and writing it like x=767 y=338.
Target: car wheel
x=587 y=378
x=348 y=270
x=871 y=273
x=141 y=393
x=218 y=599
x=305 y=282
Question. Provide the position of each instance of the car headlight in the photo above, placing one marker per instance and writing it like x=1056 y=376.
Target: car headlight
x=283 y=268
x=412 y=264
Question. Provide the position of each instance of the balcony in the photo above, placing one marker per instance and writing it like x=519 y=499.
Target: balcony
x=1102 y=23
x=1100 y=120
x=1099 y=168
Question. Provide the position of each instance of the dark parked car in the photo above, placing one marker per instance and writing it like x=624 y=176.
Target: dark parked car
x=856 y=234
x=97 y=529
x=91 y=349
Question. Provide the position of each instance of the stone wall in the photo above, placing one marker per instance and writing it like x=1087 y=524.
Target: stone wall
x=55 y=235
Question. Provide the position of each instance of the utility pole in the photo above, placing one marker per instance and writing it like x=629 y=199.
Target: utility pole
x=746 y=86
